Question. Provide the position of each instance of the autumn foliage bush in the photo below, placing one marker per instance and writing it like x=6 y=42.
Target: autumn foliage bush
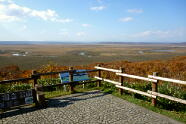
x=174 y=68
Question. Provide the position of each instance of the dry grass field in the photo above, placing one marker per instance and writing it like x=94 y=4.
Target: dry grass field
x=33 y=56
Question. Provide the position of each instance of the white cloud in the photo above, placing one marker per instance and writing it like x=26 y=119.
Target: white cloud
x=149 y=33
x=173 y=35
x=8 y=18
x=126 y=19
x=135 y=10
x=86 y=25
x=97 y=8
x=14 y=12
x=62 y=20
x=6 y=1
x=80 y=33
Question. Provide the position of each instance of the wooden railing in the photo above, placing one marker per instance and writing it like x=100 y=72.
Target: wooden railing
x=167 y=79
x=37 y=91
x=71 y=82
x=163 y=95
x=154 y=79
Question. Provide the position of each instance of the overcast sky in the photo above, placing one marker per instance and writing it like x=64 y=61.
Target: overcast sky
x=93 y=20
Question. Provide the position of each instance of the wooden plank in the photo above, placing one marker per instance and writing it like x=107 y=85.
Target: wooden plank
x=35 y=77
x=107 y=80
x=15 y=80
x=71 y=80
x=136 y=77
x=99 y=75
x=155 y=89
x=167 y=79
x=167 y=97
x=121 y=79
x=136 y=91
x=108 y=69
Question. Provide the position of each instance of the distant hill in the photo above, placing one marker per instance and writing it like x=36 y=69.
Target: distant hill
x=141 y=43
x=137 y=43
x=34 y=42
x=66 y=42
x=183 y=43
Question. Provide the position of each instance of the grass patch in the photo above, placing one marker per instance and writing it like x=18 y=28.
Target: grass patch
x=59 y=91
x=177 y=115
x=56 y=93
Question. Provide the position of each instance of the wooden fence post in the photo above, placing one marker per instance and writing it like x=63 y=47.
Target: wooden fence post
x=40 y=96
x=35 y=96
x=35 y=77
x=71 y=79
x=121 y=80
x=154 y=89
x=99 y=75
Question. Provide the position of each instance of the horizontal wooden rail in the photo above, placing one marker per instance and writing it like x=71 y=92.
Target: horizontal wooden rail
x=136 y=91
x=107 y=80
x=136 y=77
x=15 y=80
x=107 y=69
x=167 y=97
x=167 y=79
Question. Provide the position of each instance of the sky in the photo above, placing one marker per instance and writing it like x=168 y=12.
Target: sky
x=93 y=20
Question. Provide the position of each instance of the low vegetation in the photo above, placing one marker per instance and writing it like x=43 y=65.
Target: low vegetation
x=4 y=88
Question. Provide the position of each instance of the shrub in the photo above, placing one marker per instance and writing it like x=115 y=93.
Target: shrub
x=18 y=87
x=49 y=81
x=4 y=88
x=14 y=87
x=171 y=90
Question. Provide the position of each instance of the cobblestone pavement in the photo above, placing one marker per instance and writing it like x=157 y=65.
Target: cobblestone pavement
x=92 y=107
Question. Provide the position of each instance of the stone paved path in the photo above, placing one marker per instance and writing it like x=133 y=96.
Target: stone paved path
x=92 y=107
